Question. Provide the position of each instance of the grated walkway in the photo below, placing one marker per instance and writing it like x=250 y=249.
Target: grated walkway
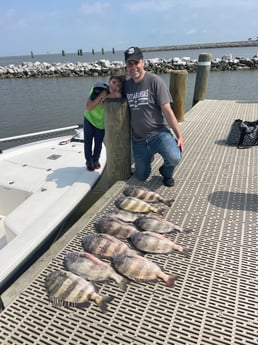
x=215 y=300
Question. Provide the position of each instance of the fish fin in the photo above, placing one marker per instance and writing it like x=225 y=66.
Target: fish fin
x=136 y=251
x=139 y=280
x=58 y=302
x=170 y=280
x=104 y=302
x=150 y=281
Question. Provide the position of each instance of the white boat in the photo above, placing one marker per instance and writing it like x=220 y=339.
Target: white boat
x=41 y=184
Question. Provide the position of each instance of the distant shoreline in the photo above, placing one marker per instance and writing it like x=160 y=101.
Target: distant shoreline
x=249 y=43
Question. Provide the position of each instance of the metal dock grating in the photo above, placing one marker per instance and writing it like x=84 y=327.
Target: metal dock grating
x=215 y=299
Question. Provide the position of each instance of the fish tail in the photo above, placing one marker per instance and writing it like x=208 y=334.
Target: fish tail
x=159 y=211
x=169 y=202
x=123 y=283
x=186 y=252
x=187 y=231
x=103 y=301
x=170 y=280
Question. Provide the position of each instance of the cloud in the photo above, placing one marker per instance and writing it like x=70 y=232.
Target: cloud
x=151 y=5
x=191 y=31
x=115 y=23
x=95 y=8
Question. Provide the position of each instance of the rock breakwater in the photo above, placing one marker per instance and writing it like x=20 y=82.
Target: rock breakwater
x=105 y=67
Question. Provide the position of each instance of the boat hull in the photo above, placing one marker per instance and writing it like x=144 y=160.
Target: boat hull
x=41 y=184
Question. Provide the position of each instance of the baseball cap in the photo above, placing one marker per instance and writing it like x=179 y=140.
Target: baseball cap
x=98 y=87
x=101 y=85
x=133 y=53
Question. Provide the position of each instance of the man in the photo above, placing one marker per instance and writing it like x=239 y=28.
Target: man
x=151 y=119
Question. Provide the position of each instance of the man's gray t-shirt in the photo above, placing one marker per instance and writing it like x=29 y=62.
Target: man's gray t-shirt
x=145 y=99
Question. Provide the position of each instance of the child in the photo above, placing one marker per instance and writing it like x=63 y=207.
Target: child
x=93 y=124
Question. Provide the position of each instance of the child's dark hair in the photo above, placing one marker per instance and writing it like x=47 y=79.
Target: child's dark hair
x=121 y=78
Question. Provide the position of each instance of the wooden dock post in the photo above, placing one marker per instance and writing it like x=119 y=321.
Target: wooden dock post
x=117 y=140
x=178 y=89
x=203 y=69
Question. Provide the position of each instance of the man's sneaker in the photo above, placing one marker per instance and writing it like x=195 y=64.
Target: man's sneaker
x=167 y=181
x=96 y=165
x=90 y=166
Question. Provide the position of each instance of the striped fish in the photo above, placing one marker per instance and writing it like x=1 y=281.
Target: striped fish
x=151 y=242
x=67 y=289
x=154 y=223
x=135 y=205
x=115 y=227
x=145 y=194
x=91 y=268
x=104 y=245
x=125 y=216
x=139 y=268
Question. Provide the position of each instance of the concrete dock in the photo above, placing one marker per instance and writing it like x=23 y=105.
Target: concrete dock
x=214 y=300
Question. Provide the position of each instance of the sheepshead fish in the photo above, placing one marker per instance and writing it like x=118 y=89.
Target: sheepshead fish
x=146 y=195
x=154 y=223
x=151 y=242
x=104 y=245
x=91 y=268
x=138 y=268
x=135 y=205
x=125 y=216
x=115 y=227
x=68 y=289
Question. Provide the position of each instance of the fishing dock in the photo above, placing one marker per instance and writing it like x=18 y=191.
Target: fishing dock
x=214 y=300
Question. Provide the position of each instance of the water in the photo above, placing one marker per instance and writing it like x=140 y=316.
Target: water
x=247 y=52
x=29 y=105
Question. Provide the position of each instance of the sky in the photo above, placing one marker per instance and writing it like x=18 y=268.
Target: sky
x=50 y=26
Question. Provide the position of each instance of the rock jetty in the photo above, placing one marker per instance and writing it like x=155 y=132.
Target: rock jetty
x=105 y=67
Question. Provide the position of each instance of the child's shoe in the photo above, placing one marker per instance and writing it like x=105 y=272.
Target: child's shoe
x=90 y=166
x=96 y=165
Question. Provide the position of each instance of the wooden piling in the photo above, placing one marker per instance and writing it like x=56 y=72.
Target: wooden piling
x=201 y=81
x=178 y=90
x=117 y=140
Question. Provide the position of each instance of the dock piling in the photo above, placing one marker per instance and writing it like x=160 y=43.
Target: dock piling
x=201 y=81
x=178 y=89
x=117 y=140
